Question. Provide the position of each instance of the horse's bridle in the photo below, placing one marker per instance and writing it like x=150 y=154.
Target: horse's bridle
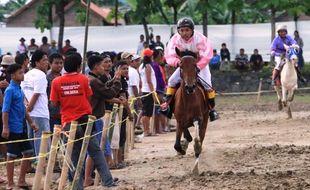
x=189 y=89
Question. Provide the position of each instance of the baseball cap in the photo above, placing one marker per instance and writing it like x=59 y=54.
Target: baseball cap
x=148 y=52
x=125 y=55
x=135 y=57
x=7 y=60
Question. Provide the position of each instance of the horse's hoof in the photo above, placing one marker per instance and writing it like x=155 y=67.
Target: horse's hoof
x=197 y=155
x=280 y=106
x=179 y=150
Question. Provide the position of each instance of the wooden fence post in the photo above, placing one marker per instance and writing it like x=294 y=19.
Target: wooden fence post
x=65 y=167
x=52 y=157
x=41 y=163
x=259 y=90
x=104 y=135
x=89 y=127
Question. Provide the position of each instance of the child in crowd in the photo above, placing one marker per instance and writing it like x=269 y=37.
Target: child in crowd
x=13 y=116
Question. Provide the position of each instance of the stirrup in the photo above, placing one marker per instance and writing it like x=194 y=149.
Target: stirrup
x=213 y=115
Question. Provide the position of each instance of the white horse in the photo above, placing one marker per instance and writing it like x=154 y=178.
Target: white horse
x=288 y=80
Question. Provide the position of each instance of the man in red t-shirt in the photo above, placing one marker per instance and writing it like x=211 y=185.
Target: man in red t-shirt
x=72 y=92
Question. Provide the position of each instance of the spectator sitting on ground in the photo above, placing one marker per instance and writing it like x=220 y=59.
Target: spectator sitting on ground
x=53 y=49
x=45 y=46
x=159 y=43
x=215 y=62
x=256 y=61
x=33 y=46
x=225 y=54
x=241 y=61
x=22 y=47
x=66 y=47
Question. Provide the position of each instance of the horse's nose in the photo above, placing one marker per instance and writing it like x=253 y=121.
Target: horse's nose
x=190 y=88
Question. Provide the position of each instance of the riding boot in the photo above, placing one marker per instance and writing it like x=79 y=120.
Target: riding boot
x=299 y=75
x=275 y=75
x=165 y=106
x=211 y=101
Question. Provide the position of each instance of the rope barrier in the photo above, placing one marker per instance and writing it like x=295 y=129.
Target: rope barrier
x=63 y=145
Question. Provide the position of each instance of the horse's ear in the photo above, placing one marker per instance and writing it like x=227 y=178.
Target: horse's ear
x=178 y=51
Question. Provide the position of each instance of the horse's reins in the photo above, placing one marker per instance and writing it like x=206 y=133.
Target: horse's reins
x=203 y=81
x=206 y=83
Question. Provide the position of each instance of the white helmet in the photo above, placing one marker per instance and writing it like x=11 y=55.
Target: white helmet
x=281 y=27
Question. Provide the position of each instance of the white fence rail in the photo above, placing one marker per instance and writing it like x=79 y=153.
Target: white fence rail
x=125 y=38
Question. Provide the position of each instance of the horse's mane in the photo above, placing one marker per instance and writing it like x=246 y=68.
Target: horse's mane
x=188 y=53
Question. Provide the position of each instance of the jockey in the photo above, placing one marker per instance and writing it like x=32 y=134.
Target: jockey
x=278 y=51
x=189 y=39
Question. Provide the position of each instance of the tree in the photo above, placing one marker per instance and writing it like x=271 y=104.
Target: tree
x=116 y=12
x=10 y=7
x=175 y=5
x=140 y=12
x=44 y=19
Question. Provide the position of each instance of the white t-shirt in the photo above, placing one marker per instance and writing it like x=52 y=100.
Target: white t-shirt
x=145 y=86
x=35 y=82
x=134 y=80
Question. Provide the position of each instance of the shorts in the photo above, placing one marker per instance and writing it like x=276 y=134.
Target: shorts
x=18 y=149
x=148 y=105
x=1 y=127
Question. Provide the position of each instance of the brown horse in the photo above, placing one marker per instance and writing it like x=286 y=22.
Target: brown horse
x=191 y=106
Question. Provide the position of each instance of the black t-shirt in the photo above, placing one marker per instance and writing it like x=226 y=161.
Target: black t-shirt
x=256 y=58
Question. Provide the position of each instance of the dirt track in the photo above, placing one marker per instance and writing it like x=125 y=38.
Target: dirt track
x=249 y=149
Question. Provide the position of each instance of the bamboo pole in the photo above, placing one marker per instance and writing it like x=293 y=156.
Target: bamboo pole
x=89 y=127
x=152 y=122
x=130 y=125
x=52 y=157
x=41 y=163
x=65 y=167
x=259 y=92
x=86 y=36
x=112 y=121
x=128 y=138
x=132 y=135
x=104 y=135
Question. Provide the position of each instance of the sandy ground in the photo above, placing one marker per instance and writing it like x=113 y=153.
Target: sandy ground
x=250 y=147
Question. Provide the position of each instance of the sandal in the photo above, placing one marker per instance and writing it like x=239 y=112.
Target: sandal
x=92 y=183
x=25 y=186
x=9 y=187
x=2 y=180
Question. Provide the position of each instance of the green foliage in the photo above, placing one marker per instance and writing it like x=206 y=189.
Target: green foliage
x=42 y=21
x=10 y=7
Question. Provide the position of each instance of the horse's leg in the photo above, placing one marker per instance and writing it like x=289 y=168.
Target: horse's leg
x=197 y=142
x=187 y=135
x=177 y=145
x=284 y=96
x=187 y=140
x=289 y=112
x=291 y=95
x=280 y=106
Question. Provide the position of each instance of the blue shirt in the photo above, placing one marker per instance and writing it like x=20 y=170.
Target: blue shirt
x=215 y=60
x=13 y=103
x=277 y=44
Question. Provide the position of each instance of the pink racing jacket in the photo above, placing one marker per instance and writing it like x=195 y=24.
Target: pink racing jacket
x=198 y=44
